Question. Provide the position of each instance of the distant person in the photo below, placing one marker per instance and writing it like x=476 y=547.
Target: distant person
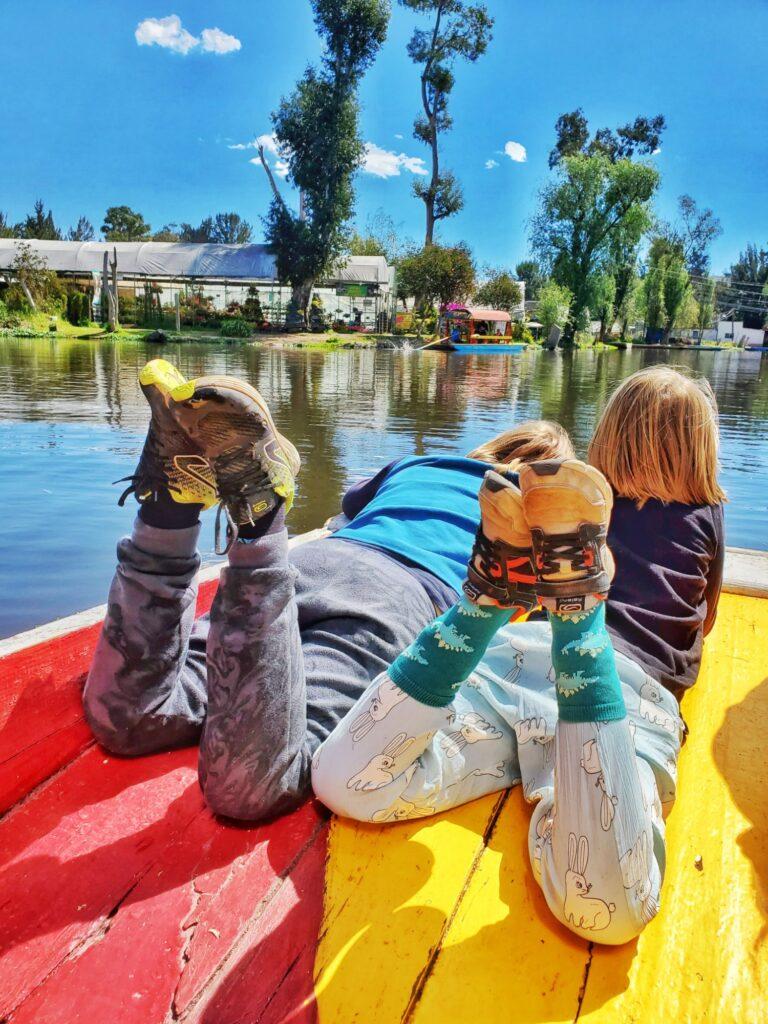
x=455 y=334
x=293 y=638
x=579 y=708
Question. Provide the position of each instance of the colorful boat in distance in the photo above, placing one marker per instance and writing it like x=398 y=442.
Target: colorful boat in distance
x=475 y=329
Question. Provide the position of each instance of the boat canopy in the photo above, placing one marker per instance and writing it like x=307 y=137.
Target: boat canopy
x=477 y=313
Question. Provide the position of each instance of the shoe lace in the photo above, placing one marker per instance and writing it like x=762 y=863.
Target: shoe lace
x=551 y=549
x=233 y=487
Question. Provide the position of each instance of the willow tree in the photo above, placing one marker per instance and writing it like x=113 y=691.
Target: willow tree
x=458 y=30
x=316 y=132
x=591 y=202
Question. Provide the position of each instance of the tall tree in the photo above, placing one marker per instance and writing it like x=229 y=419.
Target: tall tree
x=668 y=294
x=40 y=224
x=553 y=306
x=590 y=203
x=437 y=273
x=82 y=231
x=751 y=267
x=202 y=233
x=499 y=290
x=534 y=277
x=692 y=233
x=167 y=233
x=231 y=229
x=122 y=224
x=457 y=30
x=316 y=130
x=641 y=136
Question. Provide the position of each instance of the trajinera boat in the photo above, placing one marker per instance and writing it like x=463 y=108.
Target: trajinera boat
x=125 y=899
x=475 y=329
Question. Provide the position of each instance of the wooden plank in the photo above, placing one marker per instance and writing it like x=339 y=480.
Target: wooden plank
x=504 y=957
x=269 y=977
x=705 y=956
x=182 y=920
x=746 y=572
x=390 y=893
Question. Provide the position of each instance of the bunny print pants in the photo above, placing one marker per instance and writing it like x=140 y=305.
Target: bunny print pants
x=596 y=838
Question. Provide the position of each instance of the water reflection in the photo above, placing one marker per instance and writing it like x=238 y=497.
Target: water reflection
x=72 y=419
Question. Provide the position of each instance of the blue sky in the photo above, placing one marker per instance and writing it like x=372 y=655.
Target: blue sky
x=161 y=141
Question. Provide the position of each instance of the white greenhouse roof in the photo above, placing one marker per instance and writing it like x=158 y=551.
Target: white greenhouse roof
x=180 y=259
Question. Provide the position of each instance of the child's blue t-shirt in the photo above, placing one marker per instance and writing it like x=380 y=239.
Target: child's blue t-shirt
x=423 y=509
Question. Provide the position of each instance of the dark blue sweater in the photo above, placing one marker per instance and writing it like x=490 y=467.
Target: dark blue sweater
x=669 y=558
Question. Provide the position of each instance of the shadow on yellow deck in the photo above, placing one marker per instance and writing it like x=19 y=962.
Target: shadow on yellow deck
x=442 y=921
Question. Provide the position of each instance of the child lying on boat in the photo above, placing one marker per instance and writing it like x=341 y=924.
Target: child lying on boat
x=293 y=638
x=577 y=708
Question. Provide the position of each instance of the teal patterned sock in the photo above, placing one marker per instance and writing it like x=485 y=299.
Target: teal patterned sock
x=586 y=680
x=446 y=652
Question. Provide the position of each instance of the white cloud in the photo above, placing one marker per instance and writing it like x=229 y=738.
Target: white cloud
x=165 y=32
x=515 y=151
x=656 y=151
x=280 y=164
x=281 y=168
x=216 y=41
x=269 y=142
x=170 y=34
x=490 y=164
x=385 y=163
x=398 y=135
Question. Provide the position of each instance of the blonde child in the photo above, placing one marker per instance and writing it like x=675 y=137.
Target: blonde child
x=476 y=704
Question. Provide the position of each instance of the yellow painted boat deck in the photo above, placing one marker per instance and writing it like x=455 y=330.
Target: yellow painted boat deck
x=442 y=921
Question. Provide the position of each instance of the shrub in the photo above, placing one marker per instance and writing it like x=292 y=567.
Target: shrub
x=236 y=327
x=78 y=309
x=16 y=300
x=522 y=333
x=252 y=306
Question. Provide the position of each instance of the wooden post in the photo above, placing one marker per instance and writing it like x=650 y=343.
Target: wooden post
x=105 y=300
x=113 y=306
x=178 y=312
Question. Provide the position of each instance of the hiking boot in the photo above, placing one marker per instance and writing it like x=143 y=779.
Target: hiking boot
x=567 y=506
x=254 y=467
x=170 y=460
x=500 y=571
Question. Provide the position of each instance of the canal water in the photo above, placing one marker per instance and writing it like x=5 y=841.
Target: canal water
x=72 y=420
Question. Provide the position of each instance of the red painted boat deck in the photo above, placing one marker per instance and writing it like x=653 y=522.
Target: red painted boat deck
x=110 y=863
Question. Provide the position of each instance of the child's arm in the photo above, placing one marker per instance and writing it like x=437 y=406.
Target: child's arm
x=715 y=573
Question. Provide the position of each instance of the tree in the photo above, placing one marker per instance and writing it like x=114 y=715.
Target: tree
x=458 y=30
x=202 y=233
x=437 y=274
x=231 y=229
x=748 y=286
x=29 y=270
x=640 y=137
x=751 y=266
x=668 y=295
x=316 y=132
x=122 y=224
x=554 y=304
x=7 y=230
x=167 y=233
x=602 y=304
x=589 y=204
x=82 y=231
x=381 y=237
x=705 y=296
x=40 y=224
x=692 y=234
x=499 y=291
x=531 y=273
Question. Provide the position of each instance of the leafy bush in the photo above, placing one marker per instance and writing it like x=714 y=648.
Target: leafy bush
x=236 y=327
x=522 y=333
x=78 y=309
x=16 y=300
x=252 y=306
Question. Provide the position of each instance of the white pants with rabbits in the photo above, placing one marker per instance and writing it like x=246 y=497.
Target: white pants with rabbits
x=596 y=840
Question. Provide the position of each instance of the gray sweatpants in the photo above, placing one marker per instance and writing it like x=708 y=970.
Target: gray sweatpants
x=292 y=641
x=596 y=840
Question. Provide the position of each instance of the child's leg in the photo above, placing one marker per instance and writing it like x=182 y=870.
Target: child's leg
x=146 y=689
x=417 y=742
x=593 y=843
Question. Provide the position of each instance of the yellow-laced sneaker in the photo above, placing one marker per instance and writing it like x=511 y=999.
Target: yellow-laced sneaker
x=500 y=570
x=170 y=459
x=567 y=505
x=254 y=466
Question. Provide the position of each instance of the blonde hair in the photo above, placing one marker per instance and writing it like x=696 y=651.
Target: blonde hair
x=530 y=442
x=658 y=438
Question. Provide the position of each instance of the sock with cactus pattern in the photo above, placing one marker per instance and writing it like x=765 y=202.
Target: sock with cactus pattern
x=447 y=651
x=586 y=680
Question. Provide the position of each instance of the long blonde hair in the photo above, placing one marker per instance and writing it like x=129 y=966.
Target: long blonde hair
x=529 y=442
x=658 y=438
